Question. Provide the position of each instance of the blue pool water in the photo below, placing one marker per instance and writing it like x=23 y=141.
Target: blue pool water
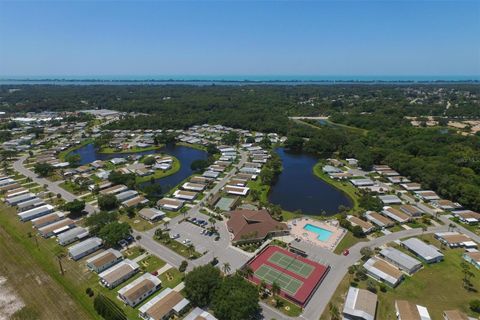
x=323 y=234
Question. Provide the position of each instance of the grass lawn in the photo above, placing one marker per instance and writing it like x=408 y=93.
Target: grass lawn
x=160 y=173
x=133 y=252
x=151 y=263
x=72 y=187
x=171 y=278
x=64 y=153
x=33 y=273
x=284 y=306
x=343 y=186
x=396 y=228
x=138 y=223
x=179 y=248
x=437 y=287
x=347 y=241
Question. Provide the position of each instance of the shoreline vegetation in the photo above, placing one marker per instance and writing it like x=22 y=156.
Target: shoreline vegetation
x=108 y=150
x=349 y=190
x=62 y=155
x=158 y=174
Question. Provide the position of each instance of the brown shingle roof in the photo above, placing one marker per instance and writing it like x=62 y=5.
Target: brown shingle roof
x=407 y=310
x=164 y=306
x=138 y=290
x=250 y=224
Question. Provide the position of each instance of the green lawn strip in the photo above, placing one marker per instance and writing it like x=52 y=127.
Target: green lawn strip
x=151 y=263
x=191 y=145
x=179 y=248
x=72 y=187
x=347 y=241
x=284 y=306
x=437 y=286
x=160 y=173
x=133 y=252
x=343 y=186
x=64 y=153
x=171 y=278
x=109 y=150
x=138 y=223
x=45 y=256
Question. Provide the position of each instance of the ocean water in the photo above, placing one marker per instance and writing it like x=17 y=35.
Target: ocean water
x=230 y=79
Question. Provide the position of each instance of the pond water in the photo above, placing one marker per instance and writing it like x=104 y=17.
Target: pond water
x=185 y=155
x=298 y=188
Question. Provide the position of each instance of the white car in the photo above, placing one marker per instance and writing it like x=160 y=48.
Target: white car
x=186 y=241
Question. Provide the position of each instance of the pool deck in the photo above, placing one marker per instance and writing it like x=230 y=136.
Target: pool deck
x=297 y=231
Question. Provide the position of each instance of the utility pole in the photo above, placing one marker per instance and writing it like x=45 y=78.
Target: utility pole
x=59 y=258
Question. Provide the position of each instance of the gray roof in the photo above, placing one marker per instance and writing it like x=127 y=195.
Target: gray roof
x=71 y=234
x=126 y=195
x=427 y=252
x=84 y=246
x=360 y=303
x=20 y=198
x=33 y=213
x=401 y=259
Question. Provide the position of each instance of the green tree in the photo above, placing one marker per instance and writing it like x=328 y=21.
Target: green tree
x=226 y=268
x=149 y=161
x=201 y=284
x=236 y=299
x=75 y=207
x=43 y=169
x=113 y=232
x=199 y=165
x=73 y=159
x=97 y=221
x=107 y=202
x=230 y=138
x=475 y=305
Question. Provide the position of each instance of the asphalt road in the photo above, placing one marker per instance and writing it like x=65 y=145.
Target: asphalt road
x=51 y=186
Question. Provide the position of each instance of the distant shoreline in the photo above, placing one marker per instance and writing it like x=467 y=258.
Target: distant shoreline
x=239 y=81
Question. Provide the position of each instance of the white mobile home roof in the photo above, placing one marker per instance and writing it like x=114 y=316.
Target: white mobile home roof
x=63 y=224
x=360 y=303
x=29 y=204
x=35 y=212
x=72 y=235
x=18 y=199
x=84 y=246
x=126 y=195
x=402 y=260
x=425 y=251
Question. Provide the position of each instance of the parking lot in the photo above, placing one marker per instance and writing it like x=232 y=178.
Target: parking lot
x=205 y=243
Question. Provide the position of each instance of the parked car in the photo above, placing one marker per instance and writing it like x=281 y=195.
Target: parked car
x=175 y=236
x=186 y=241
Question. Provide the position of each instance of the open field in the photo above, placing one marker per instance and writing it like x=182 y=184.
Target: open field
x=33 y=273
x=347 y=241
x=437 y=287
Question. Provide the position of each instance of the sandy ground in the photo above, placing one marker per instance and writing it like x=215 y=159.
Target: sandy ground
x=10 y=302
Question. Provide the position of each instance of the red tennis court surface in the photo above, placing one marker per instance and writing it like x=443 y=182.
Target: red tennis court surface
x=297 y=276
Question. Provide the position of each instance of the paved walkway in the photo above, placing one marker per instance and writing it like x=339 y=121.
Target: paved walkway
x=179 y=287
x=164 y=269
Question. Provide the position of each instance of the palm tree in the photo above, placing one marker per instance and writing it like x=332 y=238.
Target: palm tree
x=191 y=249
x=166 y=223
x=275 y=291
x=334 y=313
x=226 y=268
x=245 y=272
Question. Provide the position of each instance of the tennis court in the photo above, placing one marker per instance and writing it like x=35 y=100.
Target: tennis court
x=296 y=276
x=285 y=282
x=292 y=264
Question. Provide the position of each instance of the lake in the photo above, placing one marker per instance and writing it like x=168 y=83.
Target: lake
x=298 y=188
x=185 y=155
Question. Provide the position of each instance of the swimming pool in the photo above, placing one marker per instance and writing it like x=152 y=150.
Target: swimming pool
x=323 y=234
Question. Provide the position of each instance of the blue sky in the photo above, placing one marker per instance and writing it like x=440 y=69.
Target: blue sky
x=239 y=37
